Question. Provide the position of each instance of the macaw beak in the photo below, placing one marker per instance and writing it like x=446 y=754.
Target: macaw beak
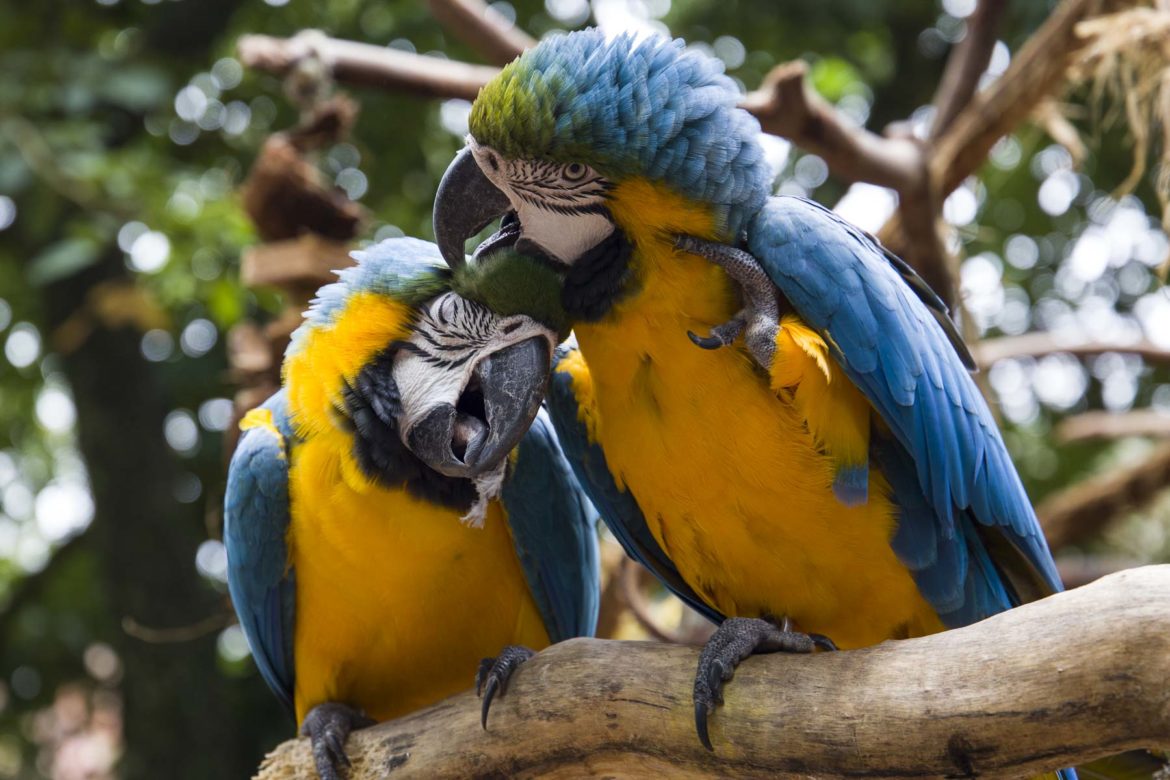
x=464 y=204
x=492 y=414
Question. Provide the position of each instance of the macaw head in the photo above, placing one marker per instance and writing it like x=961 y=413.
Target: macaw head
x=583 y=137
x=419 y=363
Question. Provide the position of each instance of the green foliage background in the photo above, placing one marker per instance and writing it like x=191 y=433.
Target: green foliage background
x=125 y=119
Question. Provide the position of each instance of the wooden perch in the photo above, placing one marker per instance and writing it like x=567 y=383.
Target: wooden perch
x=1058 y=682
x=307 y=261
x=1081 y=511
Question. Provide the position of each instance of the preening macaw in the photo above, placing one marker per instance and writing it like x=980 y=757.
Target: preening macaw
x=382 y=535
x=837 y=471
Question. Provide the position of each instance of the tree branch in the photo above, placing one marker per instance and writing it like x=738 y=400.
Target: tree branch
x=1073 y=677
x=786 y=106
x=366 y=65
x=1095 y=425
x=1038 y=70
x=483 y=28
x=967 y=64
x=1081 y=511
x=1040 y=343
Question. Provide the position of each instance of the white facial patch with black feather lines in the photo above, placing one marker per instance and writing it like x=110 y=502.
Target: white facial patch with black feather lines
x=560 y=206
x=437 y=364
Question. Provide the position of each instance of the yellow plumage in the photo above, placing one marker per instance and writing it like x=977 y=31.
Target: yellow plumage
x=724 y=463
x=835 y=411
x=396 y=599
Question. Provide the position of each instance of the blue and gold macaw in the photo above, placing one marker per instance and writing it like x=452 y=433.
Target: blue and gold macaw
x=837 y=471
x=382 y=535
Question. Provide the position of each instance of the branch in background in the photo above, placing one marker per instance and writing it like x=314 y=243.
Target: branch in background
x=1055 y=683
x=284 y=196
x=1040 y=343
x=1038 y=71
x=633 y=580
x=787 y=107
x=967 y=64
x=1049 y=116
x=611 y=607
x=1082 y=511
x=483 y=28
x=175 y=634
x=366 y=65
x=783 y=104
x=630 y=591
x=1090 y=426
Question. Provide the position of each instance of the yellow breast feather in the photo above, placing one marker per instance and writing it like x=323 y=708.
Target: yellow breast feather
x=835 y=411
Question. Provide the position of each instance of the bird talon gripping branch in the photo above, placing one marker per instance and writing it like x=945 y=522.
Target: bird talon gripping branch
x=732 y=642
x=493 y=676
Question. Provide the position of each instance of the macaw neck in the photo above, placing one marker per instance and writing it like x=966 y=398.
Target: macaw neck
x=668 y=288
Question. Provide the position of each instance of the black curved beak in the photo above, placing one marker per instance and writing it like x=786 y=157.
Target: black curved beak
x=464 y=204
x=491 y=416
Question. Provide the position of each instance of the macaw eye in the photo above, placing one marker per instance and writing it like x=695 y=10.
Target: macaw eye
x=574 y=171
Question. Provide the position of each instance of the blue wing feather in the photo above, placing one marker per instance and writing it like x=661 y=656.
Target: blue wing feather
x=554 y=529
x=617 y=507
x=256 y=518
x=952 y=479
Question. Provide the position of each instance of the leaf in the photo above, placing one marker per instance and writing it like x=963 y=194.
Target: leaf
x=834 y=77
x=61 y=260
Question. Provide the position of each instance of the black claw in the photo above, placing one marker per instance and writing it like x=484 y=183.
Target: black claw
x=493 y=685
x=328 y=726
x=733 y=641
x=701 y=724
x=715 y=678
x=823 y=642
x=494 y=674
x=485 y=667
x=706 y=342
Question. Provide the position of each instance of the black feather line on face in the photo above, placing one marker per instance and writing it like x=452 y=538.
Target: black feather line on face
x=372 y=409
x=599 y=278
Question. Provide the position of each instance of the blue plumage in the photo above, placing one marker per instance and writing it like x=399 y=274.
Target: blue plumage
x=951 y=476
x=256 y=518
x=554 y=528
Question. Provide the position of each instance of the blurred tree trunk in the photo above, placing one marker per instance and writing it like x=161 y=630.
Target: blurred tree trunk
x=177 y=702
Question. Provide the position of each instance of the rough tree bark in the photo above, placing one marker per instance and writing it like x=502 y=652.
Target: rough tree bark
x=1058 y=682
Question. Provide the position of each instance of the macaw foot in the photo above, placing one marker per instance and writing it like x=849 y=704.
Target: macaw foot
x=759 y=319
x=328 y=726
x=733 y=641
x=494 y=673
